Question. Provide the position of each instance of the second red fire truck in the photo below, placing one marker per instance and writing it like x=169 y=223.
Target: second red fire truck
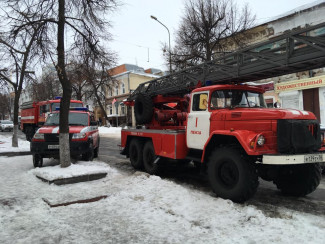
x=34 y=114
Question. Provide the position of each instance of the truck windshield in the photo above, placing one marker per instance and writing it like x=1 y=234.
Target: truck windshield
x=72 y=105
x=74 y=119
x=6 y=122
x=236 y=98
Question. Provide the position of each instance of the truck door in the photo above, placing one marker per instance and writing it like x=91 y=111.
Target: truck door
x=198 y=121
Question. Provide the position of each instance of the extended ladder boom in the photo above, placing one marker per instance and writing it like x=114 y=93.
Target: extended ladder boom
x=289 y=53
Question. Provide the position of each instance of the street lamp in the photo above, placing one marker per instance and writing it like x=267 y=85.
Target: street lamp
x=170 y=57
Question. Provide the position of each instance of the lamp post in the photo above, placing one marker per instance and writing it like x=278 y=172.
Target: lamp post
x=170 y=57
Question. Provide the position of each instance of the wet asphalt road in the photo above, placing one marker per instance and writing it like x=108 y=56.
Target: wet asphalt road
x=268 y=199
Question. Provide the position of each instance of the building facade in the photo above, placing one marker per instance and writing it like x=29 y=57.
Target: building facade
x=126 y=79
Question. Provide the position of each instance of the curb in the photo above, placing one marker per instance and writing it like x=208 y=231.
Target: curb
x=75 y=179
x=12 y=154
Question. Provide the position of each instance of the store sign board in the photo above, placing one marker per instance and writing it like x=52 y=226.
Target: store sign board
x=308 y=83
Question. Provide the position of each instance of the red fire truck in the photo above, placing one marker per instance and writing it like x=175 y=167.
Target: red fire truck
x=33 y=114
x=203 y=114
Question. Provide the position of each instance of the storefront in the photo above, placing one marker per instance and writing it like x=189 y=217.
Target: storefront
x=305 y=94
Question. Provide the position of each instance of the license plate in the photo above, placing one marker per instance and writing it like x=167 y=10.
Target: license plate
x=313 y=158
x=53 y=146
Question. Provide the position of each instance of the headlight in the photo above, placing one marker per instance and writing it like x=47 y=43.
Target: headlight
x=260 y=140
x=78 y=135
x=39 y=136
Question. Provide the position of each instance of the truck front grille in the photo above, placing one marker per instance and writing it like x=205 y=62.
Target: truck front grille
x=298 y=136
x=54 y=137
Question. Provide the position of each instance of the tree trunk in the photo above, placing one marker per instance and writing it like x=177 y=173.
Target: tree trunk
x=14 y=142
x=67 y=90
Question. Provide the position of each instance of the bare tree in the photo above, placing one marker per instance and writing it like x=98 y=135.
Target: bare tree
x=84 y=20
x=18 y=49
x=89 y=75
x=4 y=105
x=47 y=87
x=204 y=28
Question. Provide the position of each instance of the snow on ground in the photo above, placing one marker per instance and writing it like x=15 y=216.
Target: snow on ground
x=78 y=169
x=139 y=209
x=6 y=142
x=109 y=130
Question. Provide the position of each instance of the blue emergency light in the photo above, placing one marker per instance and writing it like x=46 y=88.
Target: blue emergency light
x=74 y=108
x=79 y=109
x=57 y=98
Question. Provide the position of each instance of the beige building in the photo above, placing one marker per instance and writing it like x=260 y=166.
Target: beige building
x=127 y=78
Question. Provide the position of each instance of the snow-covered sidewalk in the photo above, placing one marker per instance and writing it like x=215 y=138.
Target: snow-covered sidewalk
x=138 y=209
x=6 y=142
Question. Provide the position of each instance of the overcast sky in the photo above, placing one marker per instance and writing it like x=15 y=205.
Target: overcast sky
x=138 y=38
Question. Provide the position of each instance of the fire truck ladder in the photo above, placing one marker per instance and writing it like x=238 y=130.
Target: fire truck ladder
x=289 y=53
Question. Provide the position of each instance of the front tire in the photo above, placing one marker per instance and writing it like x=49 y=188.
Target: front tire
x=29 y=133
x=231 y=176
x=135 y=153
x=298 y=180
x=89 y=156
x=37 y=161
x=149 y=158
x=96 y=152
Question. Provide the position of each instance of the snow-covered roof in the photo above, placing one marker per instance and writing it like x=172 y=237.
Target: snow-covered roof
x=136 y=73
x=294 y=11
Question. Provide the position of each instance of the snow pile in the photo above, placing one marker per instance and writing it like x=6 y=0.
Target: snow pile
x=138 y=209
x=6 y=142
x=78 y=169
x=109 y=130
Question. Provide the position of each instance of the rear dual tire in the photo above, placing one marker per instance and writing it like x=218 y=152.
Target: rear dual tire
x=143 y=157
x=89 y=156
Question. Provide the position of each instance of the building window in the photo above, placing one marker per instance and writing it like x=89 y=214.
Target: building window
x=111 y=92
x=116 y=107
x=116 y=90
x=110 y=109
x=122 y=109
x=123 y=88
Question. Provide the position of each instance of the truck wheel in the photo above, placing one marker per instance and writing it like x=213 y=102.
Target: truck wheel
x=143 y=109
x=230 y=176
x=29 y=133
x=37 y=160
x=89 y=156
x=149 y=157
x=96 y=151
x=135 y=153
x=298 y=180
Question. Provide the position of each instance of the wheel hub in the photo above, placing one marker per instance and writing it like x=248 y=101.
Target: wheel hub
x=228 y=174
